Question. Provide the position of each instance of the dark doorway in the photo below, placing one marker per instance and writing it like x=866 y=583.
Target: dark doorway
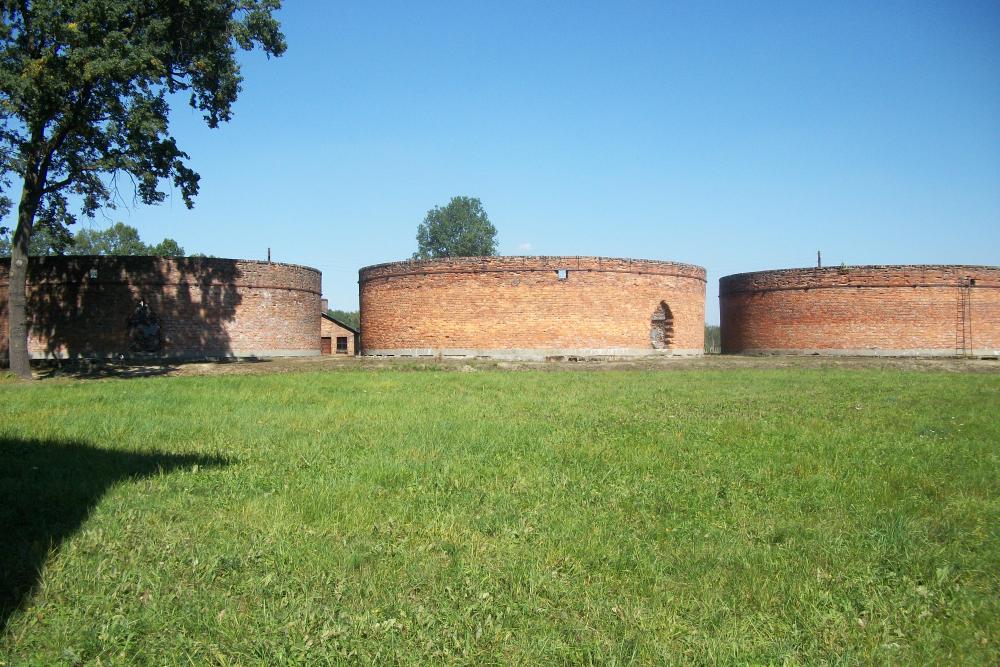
x=661 y=329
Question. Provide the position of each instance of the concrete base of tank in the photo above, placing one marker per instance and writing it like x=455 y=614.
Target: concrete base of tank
x=533 y=354
x=870 y=352
x=166 y=356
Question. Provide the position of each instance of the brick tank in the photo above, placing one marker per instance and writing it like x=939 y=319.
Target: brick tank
x=90 y=307
x=918 y=310
x=532 y=307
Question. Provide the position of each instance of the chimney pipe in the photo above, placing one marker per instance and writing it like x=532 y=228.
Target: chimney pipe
x=324 y=305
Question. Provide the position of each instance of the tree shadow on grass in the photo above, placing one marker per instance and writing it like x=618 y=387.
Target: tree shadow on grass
x=88 y=369
x=47 y=490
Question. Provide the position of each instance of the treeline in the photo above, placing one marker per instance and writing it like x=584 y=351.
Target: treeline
x=351 y=318
x=118 y=239
x=713 y=339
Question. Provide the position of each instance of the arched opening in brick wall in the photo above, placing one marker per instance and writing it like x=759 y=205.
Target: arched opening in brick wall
x=661 y=330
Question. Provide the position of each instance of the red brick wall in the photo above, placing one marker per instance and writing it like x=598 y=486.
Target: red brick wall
x=207 y=306
x=332 y=330
x=518 y=303
x=865 y=309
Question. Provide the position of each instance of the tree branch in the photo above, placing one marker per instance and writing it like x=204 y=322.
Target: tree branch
x=55 y=142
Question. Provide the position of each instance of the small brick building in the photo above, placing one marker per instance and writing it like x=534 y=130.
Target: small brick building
x=174 y=308
x=337 y=337
x=919 y=310
x=532 y=307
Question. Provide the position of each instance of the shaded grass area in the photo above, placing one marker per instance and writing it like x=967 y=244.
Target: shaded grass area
x=47 y=489
x=498 y=518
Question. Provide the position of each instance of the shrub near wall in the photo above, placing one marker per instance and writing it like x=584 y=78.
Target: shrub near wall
x=532 y=307
x=932 y=310
x=85 y=307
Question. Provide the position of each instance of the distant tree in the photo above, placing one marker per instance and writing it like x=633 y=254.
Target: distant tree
x=713 y=339
x=85 y=91
x=47 y=240
x=119 y=239
x=349 y=317
x=460 y=229
x=166 y=248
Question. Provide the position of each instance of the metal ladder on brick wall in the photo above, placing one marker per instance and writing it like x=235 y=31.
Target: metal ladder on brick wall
x=963 y=321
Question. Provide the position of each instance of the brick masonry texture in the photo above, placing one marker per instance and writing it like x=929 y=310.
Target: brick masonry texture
x=79 y=307
x=491 y=304
x=862 y=310
x=332 y=330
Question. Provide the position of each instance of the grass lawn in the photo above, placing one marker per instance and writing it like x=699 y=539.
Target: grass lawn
x=394 y=516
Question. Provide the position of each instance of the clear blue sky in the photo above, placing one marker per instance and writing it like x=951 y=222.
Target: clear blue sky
x=737 y=136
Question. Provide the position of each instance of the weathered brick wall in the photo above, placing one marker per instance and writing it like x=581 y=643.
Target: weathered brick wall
x=79 y=307
x=863 y=310
x=519 y=304
x=332 y=330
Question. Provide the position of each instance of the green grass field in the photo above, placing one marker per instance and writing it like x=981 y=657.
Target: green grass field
x=393 y=516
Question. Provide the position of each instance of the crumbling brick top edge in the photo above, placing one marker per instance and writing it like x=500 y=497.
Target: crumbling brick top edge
x=527 y=261
x=126 y=259
x=853 y=276
x=860 y=268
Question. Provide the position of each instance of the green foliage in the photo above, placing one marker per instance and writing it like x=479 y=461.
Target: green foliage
x=460 y=229
x=166 y=248
x=46 y=240
x=349 y=317
x=713 y=339
x=84 y=87
x=772 y=517
x=119 y=239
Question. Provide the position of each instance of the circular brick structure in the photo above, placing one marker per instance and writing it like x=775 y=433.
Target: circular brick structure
x=173 y=308
x=532 y=307
x=918 y=310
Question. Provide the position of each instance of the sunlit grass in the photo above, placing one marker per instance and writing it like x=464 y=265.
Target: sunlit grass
x=521 y=518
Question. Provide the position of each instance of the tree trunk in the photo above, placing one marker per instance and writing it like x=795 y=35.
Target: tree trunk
x=20 y=362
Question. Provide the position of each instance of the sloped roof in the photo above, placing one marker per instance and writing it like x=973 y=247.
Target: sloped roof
x=340 y=324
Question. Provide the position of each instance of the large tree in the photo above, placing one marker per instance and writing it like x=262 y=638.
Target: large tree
x=84 y=92
x=460 y=229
